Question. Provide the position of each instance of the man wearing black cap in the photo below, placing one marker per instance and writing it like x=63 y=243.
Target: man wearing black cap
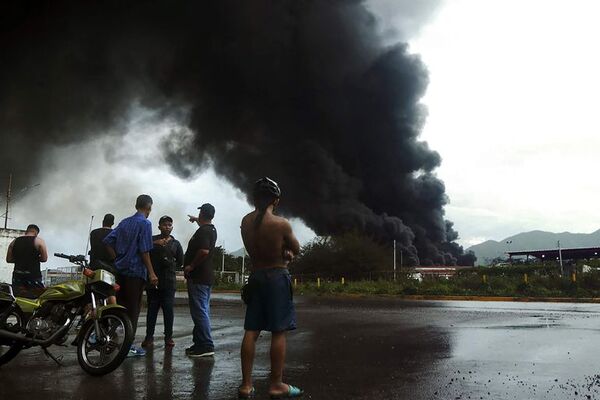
x=167 y=257
x=199 y=274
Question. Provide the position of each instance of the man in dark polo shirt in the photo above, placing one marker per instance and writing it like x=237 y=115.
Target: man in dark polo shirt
x=98 y=252
x=167 y=258
x=27 y=252
x=199 y=274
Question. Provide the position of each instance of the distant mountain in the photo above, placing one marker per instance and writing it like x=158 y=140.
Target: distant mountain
x=239 y=253
x=534 y=240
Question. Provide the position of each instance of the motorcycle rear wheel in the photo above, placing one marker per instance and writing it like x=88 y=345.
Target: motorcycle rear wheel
x=10 y=348
x=100 y=354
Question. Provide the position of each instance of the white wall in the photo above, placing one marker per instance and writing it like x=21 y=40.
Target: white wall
x=7 y=236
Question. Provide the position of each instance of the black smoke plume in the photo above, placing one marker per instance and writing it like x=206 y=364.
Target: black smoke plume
x=302 y=91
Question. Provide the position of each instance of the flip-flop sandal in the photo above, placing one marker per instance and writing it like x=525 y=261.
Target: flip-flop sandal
x=249 y=395
x=292 y=393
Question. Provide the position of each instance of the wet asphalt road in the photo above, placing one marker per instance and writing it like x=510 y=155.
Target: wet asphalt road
x=356 y=349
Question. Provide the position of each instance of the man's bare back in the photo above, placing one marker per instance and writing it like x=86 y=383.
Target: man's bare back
x=268 y=244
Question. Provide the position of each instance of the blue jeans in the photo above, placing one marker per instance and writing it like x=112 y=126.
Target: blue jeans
x=199 y=299
x=160 y=298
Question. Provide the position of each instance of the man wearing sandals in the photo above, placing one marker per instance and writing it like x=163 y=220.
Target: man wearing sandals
x=271 y=245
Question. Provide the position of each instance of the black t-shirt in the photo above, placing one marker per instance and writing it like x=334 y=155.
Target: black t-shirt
x=205 y=237
x=98 y=250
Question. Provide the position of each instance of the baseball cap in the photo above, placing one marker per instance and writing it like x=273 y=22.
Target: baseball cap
x=165 y=218
x=207 y=210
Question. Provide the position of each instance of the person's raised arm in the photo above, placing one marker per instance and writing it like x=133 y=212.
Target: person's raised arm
x=9 y=254
x=41 y=247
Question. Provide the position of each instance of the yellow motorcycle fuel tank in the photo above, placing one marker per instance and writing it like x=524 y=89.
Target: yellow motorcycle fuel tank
x=65 y=291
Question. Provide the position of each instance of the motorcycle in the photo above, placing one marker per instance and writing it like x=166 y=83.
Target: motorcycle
x=105 y=331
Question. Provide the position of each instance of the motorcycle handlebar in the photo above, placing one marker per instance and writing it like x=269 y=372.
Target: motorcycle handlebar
x=72 y=259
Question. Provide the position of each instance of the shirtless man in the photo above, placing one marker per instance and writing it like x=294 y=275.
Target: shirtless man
x=271 y=245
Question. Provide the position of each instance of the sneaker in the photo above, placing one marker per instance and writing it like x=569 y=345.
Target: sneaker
x=199 y=352
x=147 y=343
x=169 y=343
x=136 y=352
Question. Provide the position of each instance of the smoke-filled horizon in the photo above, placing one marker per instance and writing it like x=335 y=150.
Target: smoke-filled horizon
x=306 y=92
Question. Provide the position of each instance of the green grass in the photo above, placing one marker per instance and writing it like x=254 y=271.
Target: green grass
x=509 y=282
x=587 y=285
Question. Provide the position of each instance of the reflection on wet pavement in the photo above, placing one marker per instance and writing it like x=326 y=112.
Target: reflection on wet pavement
x=355 y=349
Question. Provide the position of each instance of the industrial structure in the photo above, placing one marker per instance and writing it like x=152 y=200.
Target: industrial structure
x=576 y=253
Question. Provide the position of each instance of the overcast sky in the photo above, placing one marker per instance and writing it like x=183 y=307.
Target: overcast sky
x=512 y=100
x=512 y=94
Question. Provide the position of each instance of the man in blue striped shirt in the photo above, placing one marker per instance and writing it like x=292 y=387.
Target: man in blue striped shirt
x=130 y=244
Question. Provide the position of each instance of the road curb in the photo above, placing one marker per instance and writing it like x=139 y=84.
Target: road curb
x=521 y=299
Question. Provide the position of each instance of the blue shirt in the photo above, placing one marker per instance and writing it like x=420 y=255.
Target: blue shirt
x=131 y=238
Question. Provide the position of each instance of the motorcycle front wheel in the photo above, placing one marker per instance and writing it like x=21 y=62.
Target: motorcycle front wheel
x=12 y=322
x=102 y=352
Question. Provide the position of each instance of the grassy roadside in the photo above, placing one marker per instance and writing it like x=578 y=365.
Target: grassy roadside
x=513 y=282
x=535 y=287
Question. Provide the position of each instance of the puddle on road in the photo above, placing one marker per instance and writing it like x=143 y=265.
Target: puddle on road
x=529 y=326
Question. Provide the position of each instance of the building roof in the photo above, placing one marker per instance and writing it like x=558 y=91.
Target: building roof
x=575 y=253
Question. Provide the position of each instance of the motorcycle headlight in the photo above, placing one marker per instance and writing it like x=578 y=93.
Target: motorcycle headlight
x=103 y=276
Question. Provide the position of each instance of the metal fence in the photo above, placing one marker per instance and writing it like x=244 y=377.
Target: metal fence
x=418 y=273
x=58 y=275
x=351 y=276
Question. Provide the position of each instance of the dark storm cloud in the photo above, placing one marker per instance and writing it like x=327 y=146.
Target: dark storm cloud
x=302 y=91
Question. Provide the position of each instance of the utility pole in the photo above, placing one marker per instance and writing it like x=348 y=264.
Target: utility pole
x=8 y=193
x=11 y=196
x=394 y=260
x=243 y=262
x=508 y=243
x=401 y=263
x=223 y=261
x=560 y=258
x=87 y=242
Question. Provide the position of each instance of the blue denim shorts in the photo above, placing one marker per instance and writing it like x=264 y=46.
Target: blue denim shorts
x=270 y=306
